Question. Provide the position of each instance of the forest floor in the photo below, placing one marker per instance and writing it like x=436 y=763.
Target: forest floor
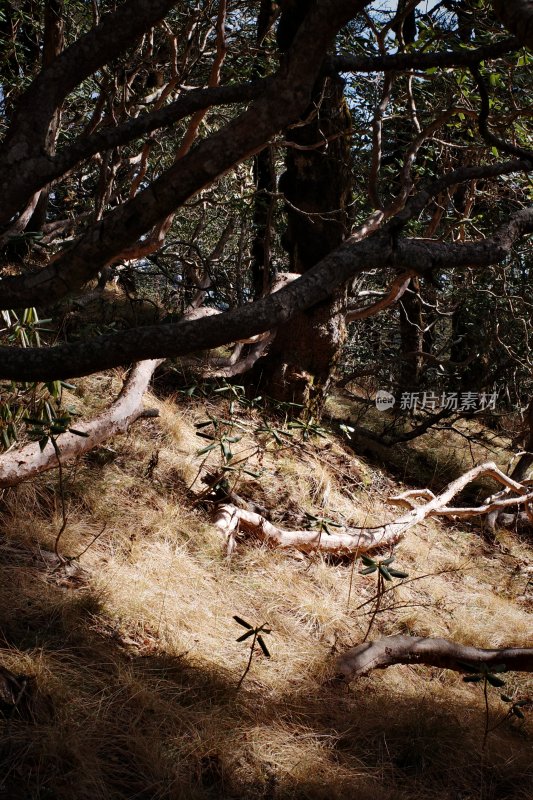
x=130 y=650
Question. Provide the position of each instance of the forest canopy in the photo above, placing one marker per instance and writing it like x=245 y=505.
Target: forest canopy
x=369 y=161
x=307 y=225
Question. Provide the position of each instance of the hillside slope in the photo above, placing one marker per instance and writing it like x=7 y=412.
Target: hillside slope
x=130 y=649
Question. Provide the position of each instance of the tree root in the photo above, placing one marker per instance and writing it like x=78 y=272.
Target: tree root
x=431 y=652
x=229 y=518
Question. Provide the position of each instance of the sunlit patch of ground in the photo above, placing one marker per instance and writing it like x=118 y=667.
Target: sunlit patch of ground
x=132 y=654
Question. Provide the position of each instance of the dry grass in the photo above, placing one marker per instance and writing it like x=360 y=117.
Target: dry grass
x=133 y=652
x=435 y=458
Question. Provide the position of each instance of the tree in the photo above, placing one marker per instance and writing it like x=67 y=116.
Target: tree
x=130 y=134
x=92 y=178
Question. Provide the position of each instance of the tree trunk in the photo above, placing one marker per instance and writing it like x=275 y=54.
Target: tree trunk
x=317 y=189
x=412 y=338
x=52 y=47
x=264 y=174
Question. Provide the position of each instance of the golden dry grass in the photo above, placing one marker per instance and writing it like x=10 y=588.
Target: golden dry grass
x=133 y=656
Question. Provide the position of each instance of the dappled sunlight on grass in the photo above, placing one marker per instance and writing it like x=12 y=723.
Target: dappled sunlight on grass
x=133 y=655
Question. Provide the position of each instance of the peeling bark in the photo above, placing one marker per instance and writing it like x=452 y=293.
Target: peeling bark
x=229 y=518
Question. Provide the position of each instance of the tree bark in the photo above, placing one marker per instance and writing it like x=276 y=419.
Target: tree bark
x=264 y=173
x=317 y=189
x=411 y=335
x=78 y=358
x=26 y=462
x=431 y=652
x=52 y=47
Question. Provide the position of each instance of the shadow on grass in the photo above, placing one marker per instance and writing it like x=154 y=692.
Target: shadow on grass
x=432 y=460
x=109 y=716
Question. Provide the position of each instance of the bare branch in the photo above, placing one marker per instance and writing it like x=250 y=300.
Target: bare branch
x=421 y=61
x=362 y=540
x=348 y=260
x=431 y=652
x=26 y=462
x=377 y=130
x=483 y=120
x=158 y=235
x=283 y=102
x=47 y=92
x=396 y=290
x=229 y=517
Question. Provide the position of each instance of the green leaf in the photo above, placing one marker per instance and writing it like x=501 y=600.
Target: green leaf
x=368 y=562
x=79 y=433
x=205 y=450
x=468 y=667
x=368 y=570
x=347 y=430
x=242 y=622
x=228 y=455
x=396 y=573
x=263 y=646
x=497 y=668
x=494 y=681
x=57 y=429
x=385 y=572
x=207 y=436
x=245 y=636
x=472 y=678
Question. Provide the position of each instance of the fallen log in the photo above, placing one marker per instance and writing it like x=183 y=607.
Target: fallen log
x=229 y=518
x=431 y=652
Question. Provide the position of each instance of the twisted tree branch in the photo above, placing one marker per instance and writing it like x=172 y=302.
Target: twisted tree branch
x=26 y=462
